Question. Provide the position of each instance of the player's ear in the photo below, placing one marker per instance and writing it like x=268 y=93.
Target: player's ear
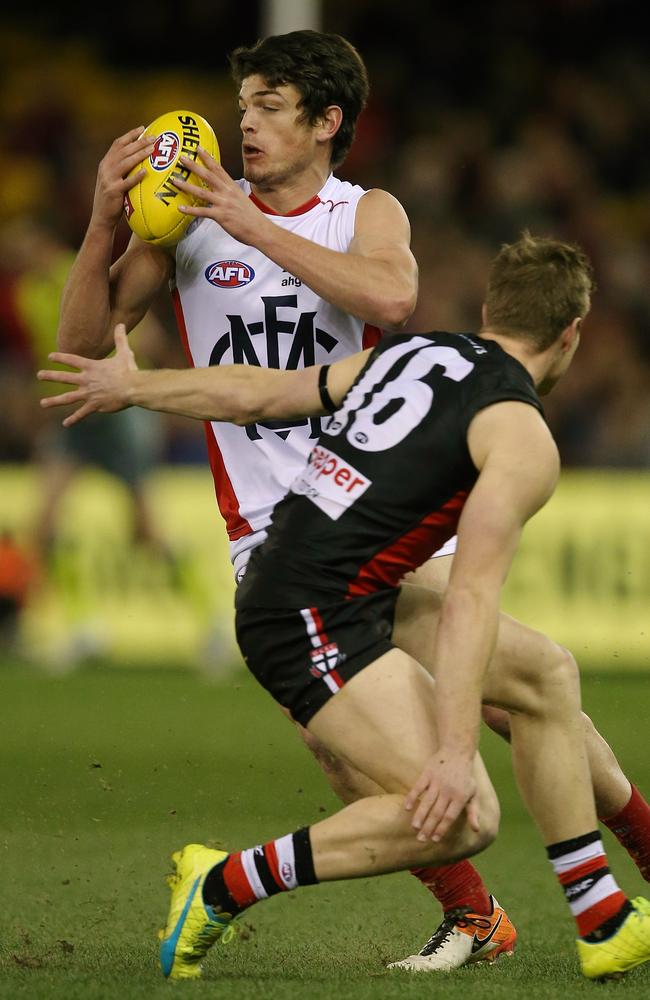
x=329 y=122
x=571 y=335
x=484 y=315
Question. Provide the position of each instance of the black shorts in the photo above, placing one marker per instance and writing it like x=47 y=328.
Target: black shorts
x=303 y=657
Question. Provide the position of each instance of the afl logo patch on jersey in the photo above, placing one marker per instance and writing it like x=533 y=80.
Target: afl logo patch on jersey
x=165 y=151
x=229 y=274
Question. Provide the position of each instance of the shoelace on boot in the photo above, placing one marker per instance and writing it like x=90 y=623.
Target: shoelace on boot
x=453 y=918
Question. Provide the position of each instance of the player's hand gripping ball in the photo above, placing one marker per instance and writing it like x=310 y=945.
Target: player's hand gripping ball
x=151 y=207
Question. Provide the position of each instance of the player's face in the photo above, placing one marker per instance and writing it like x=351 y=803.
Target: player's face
x=276 y=144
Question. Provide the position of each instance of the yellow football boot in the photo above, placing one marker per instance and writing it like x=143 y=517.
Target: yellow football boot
x=192 y=926
x=628 y=947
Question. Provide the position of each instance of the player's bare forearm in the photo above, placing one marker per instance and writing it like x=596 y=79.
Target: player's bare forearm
x=378 y=289
x=375 y=281
x=239 y=394
x=84 y=322
x=464 y=643
x=88 y=313
x=242 y=394
x=235 y=394
x=99 y=296
x=517 y=458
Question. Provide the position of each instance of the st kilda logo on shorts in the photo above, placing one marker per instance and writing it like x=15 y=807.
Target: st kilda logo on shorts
x=164 y=151
x=229 y=274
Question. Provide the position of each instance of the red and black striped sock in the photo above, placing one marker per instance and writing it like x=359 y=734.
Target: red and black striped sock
x=259 y=872
x=596 y=902
x=631 y=827
x=456 y=885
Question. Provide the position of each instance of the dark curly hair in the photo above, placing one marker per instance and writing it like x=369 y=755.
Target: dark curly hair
x=326 y=69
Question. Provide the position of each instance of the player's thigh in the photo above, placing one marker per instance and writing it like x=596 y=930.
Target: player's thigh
x=434 y=573
x=416 y=620
x=383 y=723
x=524 y=666
x=418 y=605
x=526 y=669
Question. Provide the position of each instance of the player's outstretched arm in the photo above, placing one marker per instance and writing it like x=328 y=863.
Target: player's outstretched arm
x=518 y=468
x=98 y=295
x=375 y=280
x=239 y=394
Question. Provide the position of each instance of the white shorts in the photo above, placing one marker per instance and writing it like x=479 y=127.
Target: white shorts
x=240 y=560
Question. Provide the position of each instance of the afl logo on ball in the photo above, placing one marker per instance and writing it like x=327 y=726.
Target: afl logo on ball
x=165 y=151
x=229 y=274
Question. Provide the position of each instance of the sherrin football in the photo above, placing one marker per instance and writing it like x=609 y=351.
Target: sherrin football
x=151 y=207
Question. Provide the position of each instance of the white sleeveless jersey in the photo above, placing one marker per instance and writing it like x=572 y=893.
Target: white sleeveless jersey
x=234 y=305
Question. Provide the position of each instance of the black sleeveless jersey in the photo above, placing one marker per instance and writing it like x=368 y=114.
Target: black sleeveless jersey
x=385 y=484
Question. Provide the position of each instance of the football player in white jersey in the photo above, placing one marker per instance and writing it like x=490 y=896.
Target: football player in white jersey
x=284 y=268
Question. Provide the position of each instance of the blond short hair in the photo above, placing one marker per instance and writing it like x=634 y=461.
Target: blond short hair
x=537 y=287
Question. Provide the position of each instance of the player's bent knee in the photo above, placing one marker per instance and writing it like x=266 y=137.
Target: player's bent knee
x=489 y=818
x=590 y=729
x=464 y=841
x=563 y=677
x=489 y=814
x=539 y=678
x=556 y=691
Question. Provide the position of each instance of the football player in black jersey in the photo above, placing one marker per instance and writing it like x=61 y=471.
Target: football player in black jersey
x=430 y=433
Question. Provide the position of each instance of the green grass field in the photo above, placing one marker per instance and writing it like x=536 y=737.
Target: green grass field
x=105 y=772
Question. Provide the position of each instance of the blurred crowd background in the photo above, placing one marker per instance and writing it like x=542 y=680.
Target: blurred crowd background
x=484 y=119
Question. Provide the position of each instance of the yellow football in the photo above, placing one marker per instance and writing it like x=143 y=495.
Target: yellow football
x=151 y=207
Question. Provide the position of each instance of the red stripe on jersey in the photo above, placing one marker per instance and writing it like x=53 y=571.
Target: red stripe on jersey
x=306 y=207
x=370 y=337
x=410 y=550
x=580 y=871
x=236 y=525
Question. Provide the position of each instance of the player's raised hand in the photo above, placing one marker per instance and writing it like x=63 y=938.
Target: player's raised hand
x=102 y=386
x=223 y=199
x=445 y=787
x=112 y=175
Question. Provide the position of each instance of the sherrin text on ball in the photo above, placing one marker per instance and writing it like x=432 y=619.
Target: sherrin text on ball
x=152 y=206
